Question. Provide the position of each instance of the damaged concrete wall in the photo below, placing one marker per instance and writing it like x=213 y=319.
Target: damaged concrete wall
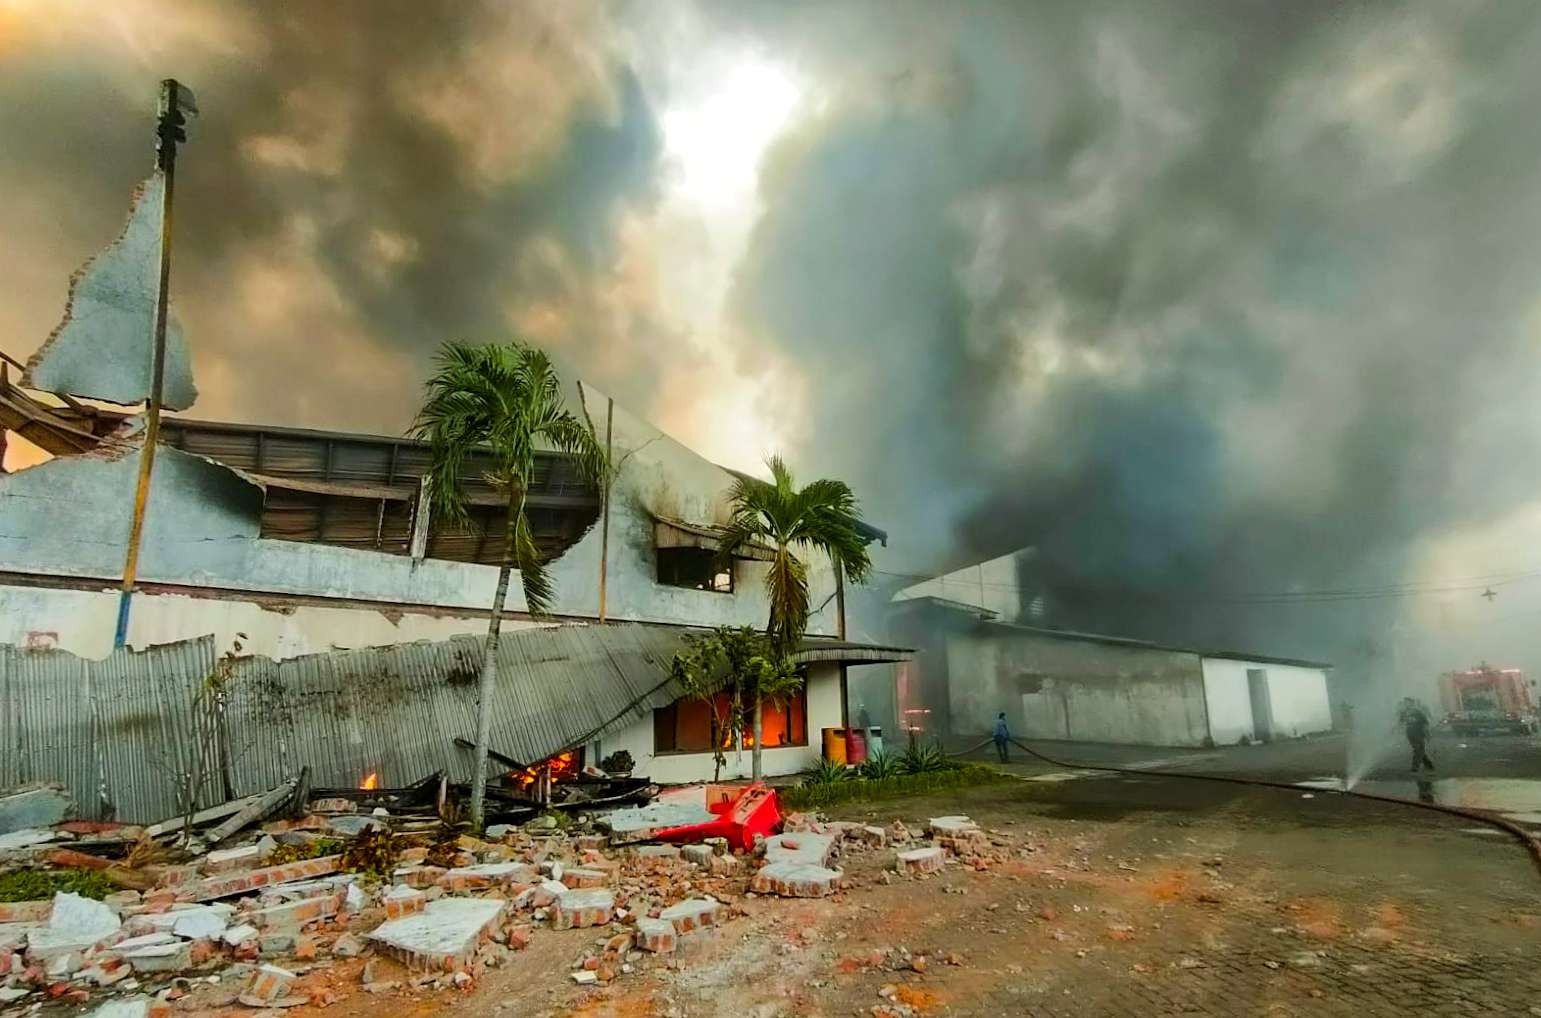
x=1082 y=690
x=82 y=622
x=70 y=517
x=661 y=477
x=103 y=348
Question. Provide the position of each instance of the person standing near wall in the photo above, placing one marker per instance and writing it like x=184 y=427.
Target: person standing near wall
x=1001 y=734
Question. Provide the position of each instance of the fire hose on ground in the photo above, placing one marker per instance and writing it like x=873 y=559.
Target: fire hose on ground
x=1525 y=838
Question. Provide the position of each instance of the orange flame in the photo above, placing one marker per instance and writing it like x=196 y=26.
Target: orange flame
x=372 y=781
x=563 y=765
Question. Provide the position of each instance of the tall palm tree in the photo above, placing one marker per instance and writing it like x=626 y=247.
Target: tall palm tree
x=498 y=402
x=821 y=517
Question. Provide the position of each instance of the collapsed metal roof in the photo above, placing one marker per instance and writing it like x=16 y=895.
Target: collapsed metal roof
x=112 y=730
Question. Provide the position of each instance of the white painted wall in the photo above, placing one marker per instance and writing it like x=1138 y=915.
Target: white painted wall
x=82 y=622
x=1229 y=704
x=681 y=768
x=1297 y=698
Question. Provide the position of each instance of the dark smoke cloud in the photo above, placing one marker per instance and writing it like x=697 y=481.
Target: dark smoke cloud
x=368 y=180
x=1196 y=298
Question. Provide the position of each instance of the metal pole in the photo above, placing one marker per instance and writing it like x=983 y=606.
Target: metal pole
x=604 y=527
x=165 y=163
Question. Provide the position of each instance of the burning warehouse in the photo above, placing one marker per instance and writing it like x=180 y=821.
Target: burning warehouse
x=318 y=552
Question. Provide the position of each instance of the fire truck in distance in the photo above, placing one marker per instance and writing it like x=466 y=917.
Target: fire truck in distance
x=1487 y=699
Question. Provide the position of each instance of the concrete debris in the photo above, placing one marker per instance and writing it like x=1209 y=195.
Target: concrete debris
x=444 y=935
x=580 y=907
x=920 y=861
x=691 y=915
x=33 y=807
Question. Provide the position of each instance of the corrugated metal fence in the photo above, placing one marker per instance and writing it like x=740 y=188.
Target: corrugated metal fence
x=118 y=731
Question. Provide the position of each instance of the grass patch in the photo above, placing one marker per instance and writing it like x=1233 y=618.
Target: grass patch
x=858 y=789
x=36 y=885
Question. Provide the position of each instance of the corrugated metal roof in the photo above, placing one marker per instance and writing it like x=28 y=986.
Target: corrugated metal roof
x=814 y=649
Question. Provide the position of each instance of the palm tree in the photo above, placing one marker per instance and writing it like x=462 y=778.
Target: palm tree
x=821 y=517
x=499 y=403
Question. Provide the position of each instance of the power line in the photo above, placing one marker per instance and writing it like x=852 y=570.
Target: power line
x=1241 y=597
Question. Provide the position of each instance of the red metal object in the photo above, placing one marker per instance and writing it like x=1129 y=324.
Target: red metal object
x=855 y=746
x=752 y=810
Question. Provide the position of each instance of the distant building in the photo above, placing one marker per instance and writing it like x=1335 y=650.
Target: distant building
x=978 y=652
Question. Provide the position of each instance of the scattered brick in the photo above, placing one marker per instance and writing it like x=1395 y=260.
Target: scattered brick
x=583 y=877
x=268 y=984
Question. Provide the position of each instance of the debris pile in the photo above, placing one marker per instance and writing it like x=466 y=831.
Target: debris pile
x=262 y=900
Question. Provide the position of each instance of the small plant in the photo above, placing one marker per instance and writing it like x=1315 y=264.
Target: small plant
x=619 y=762
x=827 y=773
x=35 y=885
x=880 y=766
x=307 y=850
x=373 y=854
x=920 y=759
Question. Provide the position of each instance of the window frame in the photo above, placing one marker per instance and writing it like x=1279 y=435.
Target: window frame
x=660 y=554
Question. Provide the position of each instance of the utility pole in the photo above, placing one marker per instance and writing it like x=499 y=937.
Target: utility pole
x=170 y=129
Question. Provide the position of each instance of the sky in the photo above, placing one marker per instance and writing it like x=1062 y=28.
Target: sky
x=1206 y=299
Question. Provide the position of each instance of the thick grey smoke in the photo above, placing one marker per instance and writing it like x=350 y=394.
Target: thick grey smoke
x=1196 y=298
x=1199 y=297
x=369 y=179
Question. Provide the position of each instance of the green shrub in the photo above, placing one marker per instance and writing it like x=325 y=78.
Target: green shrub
x=814 y=795
x=924 y=760
x=880 y=766
x=827 y=773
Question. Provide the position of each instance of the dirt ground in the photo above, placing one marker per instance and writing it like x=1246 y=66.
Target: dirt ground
x=1133 y=897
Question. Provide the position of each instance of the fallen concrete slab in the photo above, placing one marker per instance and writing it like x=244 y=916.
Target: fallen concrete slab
x=75 y=924
x=627 y=826
x=801 y=847
x=919 y=861
x=34 y=807
x=445 y=934
x=796 y=880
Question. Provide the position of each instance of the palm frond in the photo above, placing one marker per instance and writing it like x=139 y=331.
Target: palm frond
x=538 y=589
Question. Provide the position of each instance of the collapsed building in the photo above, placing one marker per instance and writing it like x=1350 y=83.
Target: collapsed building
x=319 y=553
x=985 y=644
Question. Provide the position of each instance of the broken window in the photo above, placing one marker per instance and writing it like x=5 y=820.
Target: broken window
x=688 y=725
x=784 y=723
x=694 y=568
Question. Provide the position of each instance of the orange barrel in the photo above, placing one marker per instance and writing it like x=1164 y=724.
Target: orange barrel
x=855 y=746
x=834 y=745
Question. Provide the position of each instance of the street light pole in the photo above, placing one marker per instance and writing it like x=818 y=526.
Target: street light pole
x=169 y=129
